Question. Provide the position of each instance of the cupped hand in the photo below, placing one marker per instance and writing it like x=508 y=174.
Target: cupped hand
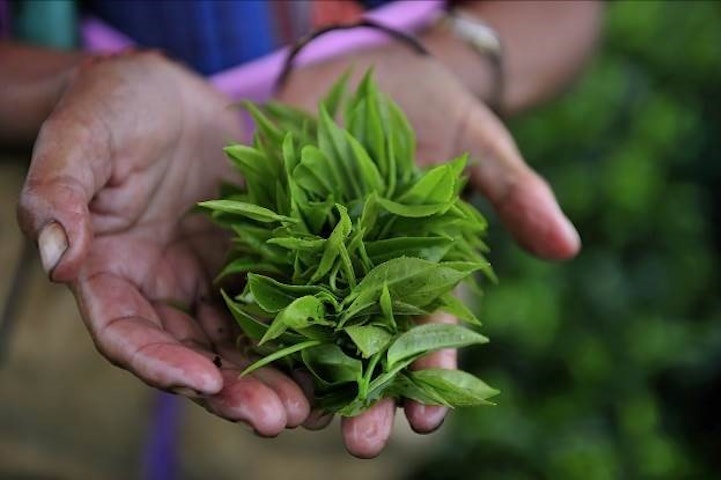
x=448 y=121
x=133 y=143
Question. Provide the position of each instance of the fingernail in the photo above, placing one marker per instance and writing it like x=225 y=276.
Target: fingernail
x=52 y=243
x=186 y=392
x=570 y=232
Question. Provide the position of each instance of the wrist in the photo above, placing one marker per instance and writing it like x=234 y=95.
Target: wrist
x=479 y=73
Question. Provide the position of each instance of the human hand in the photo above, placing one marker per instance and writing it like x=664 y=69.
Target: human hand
x=448 y=121
x=133 y=143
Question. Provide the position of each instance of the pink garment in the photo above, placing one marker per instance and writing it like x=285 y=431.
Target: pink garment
x=254 y=80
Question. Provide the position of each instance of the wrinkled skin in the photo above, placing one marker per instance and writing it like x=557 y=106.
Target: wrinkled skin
x=136 y=140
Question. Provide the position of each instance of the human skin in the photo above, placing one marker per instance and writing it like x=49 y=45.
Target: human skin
x=129 y=143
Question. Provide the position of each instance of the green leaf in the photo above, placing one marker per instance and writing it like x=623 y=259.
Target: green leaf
x=404 y=387
x=386 y=304
x=455 y=387
x=250 y=161
x=316 y=173
x=344 y=403
x=331 y=102
x=369 y=174
x=403 y=141
x=243 y=265
x=273 y=296
x=333 y=142
x=409 y=280
x=316 y=213
x=430 y=337
x=369 y=339
x=432 y=249
x=357 y=241
x=296 y=243
x=300 y=313
x=263 y=124
x=412 y=211
x=251 y=327
x=244 y=209
x=454 y=306
x=334 y=244
x=290 y=157
x=435 y=187
x=293 y=120
x=330 y=364
x=277 y=355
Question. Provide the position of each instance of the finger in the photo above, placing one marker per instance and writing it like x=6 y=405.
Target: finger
x=66 y=170
x=127 y=331
x=217 y=324
x=218 y=327
x=247 y=399
x=291 y=396
x=243 y=399
x=523 y=200
x=366 y=435
x=428 y=418
x=317 y=419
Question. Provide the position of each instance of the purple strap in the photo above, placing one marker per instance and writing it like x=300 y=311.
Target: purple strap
x=160 y=455
x=254 y=80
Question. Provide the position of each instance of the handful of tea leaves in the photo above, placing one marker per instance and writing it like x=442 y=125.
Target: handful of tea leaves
x=344 y=242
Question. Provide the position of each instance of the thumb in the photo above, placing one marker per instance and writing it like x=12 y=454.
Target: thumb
x=523 y=200
x=62 y=179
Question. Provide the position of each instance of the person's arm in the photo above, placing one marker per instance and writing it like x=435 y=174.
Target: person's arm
x=31 y=82
x=102 y=200
x=545 y=45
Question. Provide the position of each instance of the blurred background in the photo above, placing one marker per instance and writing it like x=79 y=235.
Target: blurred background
x=609 y=365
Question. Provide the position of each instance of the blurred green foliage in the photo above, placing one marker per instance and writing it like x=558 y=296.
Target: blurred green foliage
x=610 y=365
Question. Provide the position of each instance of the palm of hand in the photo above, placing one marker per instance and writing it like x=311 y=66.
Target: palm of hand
x=118 y=165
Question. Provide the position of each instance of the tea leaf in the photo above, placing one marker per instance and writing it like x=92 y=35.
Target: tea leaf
x=343 y=242
x=333 y=142
x=315 y=173
x=452 y=305
x=273 y=296
x=250 y=326
x=243 y=265
x=405 y=387
x=432 y=249
x=331 y=102
x=369 y=339
x=435 y=187
x=244 y=209
x=430 y=337
x=330 y=364
x=283 y=352
x=334 y=244
x=299 y=313
x=412 y=211
x=455 y=387
x=410 y=280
